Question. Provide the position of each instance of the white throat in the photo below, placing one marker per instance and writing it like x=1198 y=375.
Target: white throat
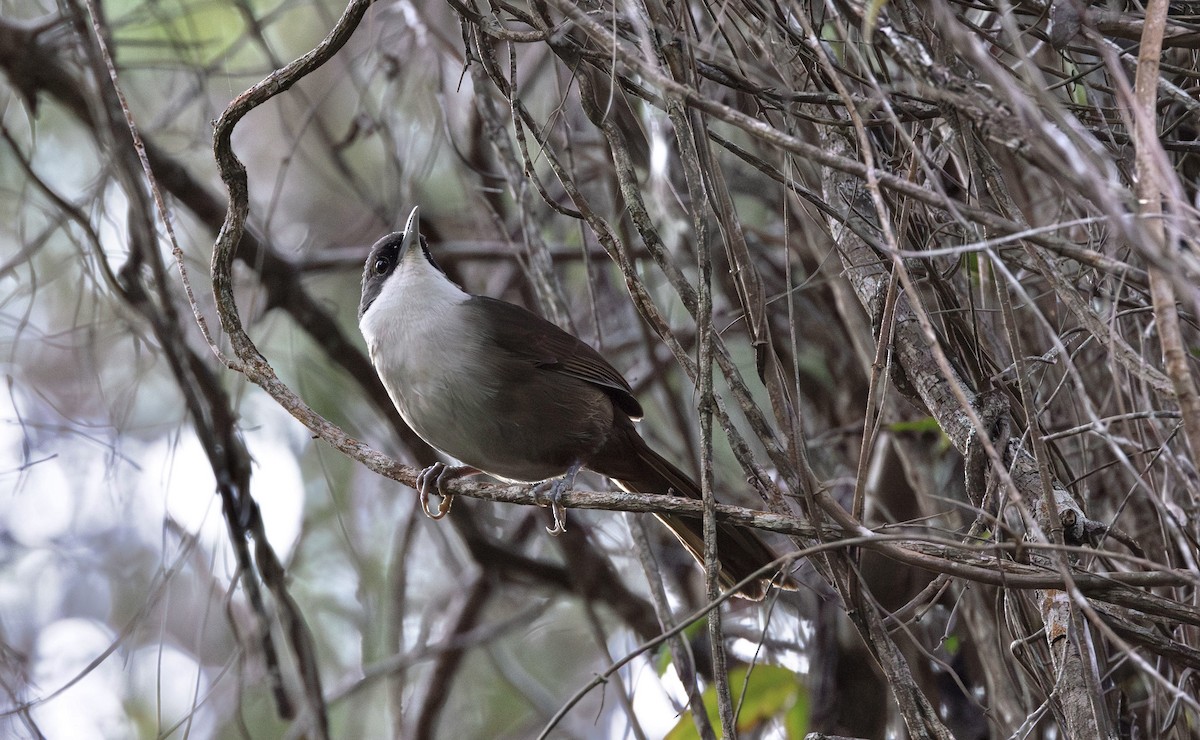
x=414 y=300
x=415 y=333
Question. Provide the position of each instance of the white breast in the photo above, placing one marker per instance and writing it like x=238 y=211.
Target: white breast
x=418 y=337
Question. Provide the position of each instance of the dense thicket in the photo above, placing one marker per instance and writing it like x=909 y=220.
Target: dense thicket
x=916 y=281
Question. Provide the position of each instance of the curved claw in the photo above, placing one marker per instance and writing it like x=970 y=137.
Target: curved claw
x=559 y=512
x=552 y=491
x=430 y=481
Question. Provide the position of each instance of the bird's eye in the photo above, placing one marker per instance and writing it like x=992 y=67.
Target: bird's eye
x=381 y=265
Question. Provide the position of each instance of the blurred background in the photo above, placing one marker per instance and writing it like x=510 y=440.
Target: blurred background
x=180 y=558
x=120 y=605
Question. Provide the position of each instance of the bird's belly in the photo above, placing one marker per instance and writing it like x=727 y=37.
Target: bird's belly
x=459 y=417
x=513 y=420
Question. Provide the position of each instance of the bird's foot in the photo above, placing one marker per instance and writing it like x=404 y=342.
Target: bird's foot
x=430 y=481
x=551 y=492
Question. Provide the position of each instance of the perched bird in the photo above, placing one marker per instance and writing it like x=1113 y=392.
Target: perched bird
x=512 y=395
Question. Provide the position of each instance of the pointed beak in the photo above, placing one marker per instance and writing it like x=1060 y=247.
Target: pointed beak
x=412 y=231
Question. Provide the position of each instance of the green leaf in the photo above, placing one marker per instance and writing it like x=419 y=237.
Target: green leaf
x=971 y=263
x=927 y=424
x=767 y=693
x=689 y=634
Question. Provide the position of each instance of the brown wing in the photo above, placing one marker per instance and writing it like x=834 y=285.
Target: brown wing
x=529 y=336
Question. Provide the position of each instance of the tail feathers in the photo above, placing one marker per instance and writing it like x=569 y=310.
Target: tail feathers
x=740 y=550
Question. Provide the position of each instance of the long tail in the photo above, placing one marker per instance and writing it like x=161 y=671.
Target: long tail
x=636 y=467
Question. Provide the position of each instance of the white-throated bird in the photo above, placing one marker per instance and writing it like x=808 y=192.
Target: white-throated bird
x=512 y=395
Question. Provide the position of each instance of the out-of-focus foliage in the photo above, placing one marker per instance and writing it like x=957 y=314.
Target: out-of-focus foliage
x=765 y=693
x=900 y=200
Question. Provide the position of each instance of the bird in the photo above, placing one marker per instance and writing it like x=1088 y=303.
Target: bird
x=510 y=394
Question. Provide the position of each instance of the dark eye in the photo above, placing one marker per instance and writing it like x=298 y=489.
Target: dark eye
x=381 y=265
